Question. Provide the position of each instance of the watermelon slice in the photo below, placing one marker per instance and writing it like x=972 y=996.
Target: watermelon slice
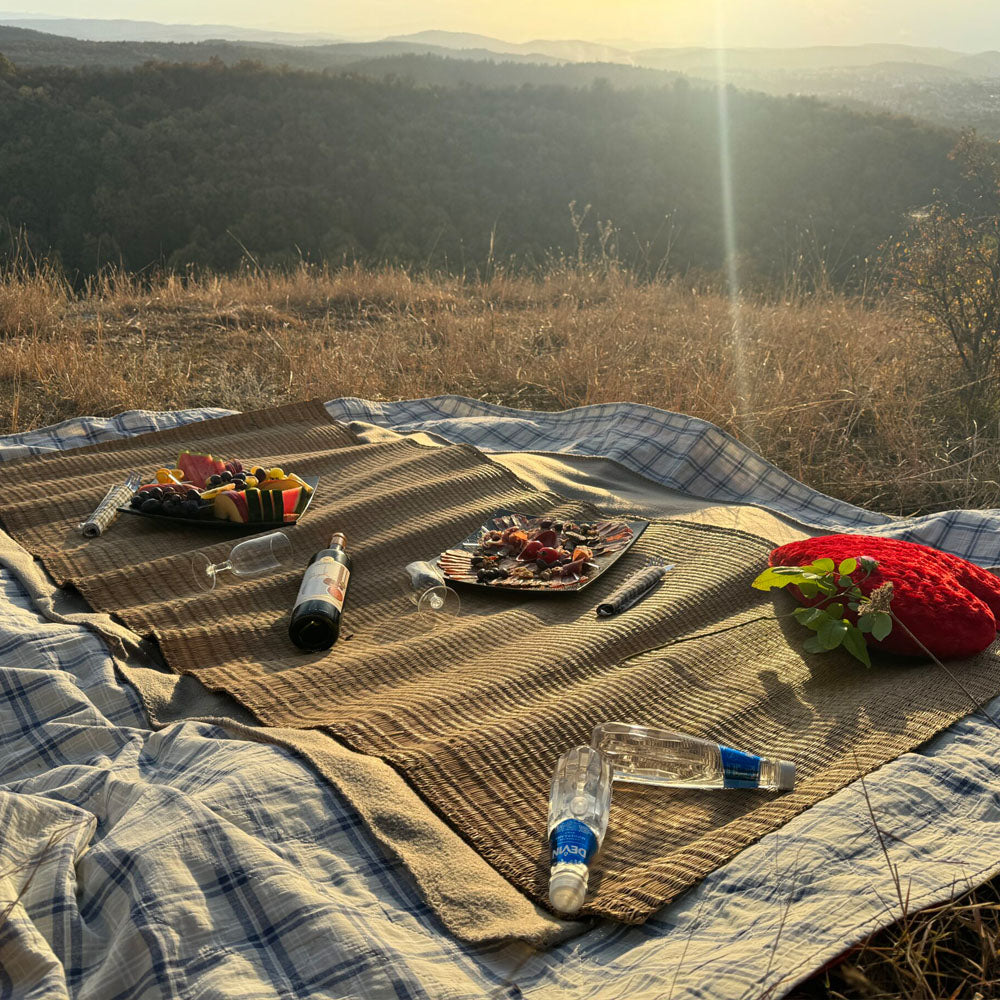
x=231 y=506
x=266 y=507
x=199 y=468
x=292 y=500
x=255 y=510
x=306 y=488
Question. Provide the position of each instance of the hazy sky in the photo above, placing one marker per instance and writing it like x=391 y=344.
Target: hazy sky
x=972 y=25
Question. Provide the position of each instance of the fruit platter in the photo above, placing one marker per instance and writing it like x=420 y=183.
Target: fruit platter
x=205 y=491
x=535 y=553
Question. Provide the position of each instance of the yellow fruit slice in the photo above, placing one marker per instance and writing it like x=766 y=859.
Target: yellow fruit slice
x=215 y=491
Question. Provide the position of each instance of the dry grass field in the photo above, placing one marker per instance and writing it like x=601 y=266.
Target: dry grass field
x=850 y=396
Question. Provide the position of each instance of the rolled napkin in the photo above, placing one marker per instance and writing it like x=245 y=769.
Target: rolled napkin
x=633 y=590
x=107 y=509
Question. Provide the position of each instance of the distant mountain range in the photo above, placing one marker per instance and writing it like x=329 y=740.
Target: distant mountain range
x=568 y=50
x=99 y=30
x=699 y=62
x=705 y=62
x=955 y=89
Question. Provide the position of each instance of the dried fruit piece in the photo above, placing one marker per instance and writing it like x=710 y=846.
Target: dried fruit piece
x=531 y=550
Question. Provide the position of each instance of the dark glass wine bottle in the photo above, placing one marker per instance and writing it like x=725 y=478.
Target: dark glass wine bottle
x=315 y=622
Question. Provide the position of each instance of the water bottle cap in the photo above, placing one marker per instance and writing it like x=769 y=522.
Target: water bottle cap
x=786 y=775
x=568 y=888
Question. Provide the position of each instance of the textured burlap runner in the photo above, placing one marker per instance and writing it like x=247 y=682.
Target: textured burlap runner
x=475 y=713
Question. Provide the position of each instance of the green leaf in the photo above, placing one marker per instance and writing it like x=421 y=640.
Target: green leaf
x=767 y=580
x=809 y=589
x=882 y=625
x=847 y=567
x=813 y=645
x=866 y=621
x=844 y=581
x=853 y=605
x=835 y=611
x=831 y=635
x=854 y=643
x=810 y=617
x=823 y=566
x=780 y=576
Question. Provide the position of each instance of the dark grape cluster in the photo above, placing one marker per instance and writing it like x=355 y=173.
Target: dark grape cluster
x=239 y=478
x=172 y=500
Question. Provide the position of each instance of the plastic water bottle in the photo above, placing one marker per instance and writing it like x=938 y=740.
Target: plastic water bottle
x=648 y=756
x=578 y=819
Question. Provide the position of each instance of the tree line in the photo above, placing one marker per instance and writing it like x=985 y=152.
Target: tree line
x=180 y=165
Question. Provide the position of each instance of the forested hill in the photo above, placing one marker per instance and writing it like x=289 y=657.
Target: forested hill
x=180 y=164
x=26 y=47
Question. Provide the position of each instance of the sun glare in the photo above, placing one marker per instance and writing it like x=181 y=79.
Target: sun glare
x=728 y=208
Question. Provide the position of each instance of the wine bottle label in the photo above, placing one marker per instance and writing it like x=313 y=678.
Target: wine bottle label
x=325 y=580
x=739 y=770
x=572 y=841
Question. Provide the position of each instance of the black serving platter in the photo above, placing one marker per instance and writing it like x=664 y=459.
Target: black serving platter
x=250 y=528
x=455 y=563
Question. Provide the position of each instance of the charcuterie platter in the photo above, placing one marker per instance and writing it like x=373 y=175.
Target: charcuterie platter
x=523 y=552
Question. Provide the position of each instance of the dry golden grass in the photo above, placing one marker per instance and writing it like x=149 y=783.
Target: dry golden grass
x=946 y=951
x=852 y=399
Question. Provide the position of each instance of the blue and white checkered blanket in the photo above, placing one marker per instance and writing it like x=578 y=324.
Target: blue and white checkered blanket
x=186 y=863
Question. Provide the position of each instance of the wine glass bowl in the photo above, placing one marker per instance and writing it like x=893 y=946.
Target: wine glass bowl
x=426 y=587
x=254 y=557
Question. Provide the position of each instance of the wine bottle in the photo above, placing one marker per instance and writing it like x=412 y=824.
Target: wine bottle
x=316 y=616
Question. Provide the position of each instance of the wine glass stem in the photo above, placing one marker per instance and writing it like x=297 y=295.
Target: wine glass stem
x=221 y=567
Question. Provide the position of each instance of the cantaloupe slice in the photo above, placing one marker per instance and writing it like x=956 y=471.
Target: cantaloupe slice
x=279 y=484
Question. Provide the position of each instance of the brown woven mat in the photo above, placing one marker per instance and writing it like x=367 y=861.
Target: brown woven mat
x=476 y=713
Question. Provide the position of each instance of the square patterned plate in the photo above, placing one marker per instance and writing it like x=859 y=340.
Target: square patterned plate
x=616 y=537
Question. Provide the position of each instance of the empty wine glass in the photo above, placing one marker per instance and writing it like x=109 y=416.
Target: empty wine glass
x=427 y=588
x=424 y=586
x=257 y=556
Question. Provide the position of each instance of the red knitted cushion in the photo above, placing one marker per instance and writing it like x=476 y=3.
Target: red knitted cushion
x=952 y=606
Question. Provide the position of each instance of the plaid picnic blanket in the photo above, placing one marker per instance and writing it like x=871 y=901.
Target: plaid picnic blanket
x=175 y=864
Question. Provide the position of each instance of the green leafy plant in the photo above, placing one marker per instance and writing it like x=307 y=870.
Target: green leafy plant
x=836 y=591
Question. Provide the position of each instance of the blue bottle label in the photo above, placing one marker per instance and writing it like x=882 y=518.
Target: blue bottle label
x=572 y=842
x=739 y=770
